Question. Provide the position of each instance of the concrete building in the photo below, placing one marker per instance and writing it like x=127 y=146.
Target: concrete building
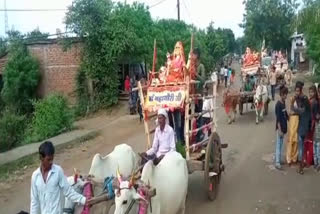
x=298 y=51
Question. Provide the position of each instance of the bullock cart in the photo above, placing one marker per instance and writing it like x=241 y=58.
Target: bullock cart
x=205 y=155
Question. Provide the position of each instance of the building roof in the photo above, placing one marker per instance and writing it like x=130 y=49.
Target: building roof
x=297 y=36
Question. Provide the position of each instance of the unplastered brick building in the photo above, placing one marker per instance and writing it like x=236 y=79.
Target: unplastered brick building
x=58 y=66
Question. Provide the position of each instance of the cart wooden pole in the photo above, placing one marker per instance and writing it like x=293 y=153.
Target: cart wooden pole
x=186 y=118
x=214 y=95
x=146 y=125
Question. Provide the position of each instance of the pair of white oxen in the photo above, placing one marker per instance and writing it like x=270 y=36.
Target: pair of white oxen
x=169 y=178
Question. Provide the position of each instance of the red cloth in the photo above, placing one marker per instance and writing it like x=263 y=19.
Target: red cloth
x=194 y=134
x=88 y=193
x=127 y=84
x=308 y=152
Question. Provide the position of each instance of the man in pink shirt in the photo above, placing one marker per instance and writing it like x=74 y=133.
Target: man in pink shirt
x=163 y=142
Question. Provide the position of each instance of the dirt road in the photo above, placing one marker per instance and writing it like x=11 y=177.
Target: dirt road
x=249 y=185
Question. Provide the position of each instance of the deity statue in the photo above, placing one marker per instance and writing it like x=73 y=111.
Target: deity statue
x=176 y=63
x=162 y=74
x=251 y=58
x=248 y=58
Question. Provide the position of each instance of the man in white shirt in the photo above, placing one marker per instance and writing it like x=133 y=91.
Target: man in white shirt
x=226 y=73
x=221 y=73
x=273 y=81
x=163 y=142
x=207 y=106
x=47 y=184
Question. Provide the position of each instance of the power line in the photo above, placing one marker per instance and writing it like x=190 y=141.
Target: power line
x=31 y=10
x=188 y=12
x=156 y=4
x=42 y=36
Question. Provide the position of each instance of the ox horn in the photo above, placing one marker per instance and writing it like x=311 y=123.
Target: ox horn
x=132 y=178
x=119 y=175
x=76 y=175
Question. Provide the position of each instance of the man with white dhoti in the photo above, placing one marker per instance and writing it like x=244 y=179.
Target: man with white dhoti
x=163 y=142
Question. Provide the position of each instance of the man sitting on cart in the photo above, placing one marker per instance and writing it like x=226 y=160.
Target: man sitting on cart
x=248 y=85
x=163 y=142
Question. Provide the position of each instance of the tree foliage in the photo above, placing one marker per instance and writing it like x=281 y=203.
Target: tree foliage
x=3 y=46
x=111 y=32
x=20 y=78
x=36 y=35
x=117 y=32
x=52 y=115
x=12 y=128
x=270 y=20
x=308 y=22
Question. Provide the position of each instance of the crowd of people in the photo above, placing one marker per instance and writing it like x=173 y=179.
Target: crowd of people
x=227 y=76
x=301 y=122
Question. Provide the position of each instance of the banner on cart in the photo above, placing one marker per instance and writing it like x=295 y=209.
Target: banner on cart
x=165 y=97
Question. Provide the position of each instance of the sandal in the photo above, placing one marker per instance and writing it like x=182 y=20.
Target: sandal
x=300 y=171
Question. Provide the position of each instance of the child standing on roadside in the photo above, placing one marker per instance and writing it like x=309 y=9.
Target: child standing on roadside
x=281 y=124
x=316 y=143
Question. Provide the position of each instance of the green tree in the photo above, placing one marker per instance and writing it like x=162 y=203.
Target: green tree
x=111 y=32
x=270 y=21
x=36 y=35
x=308 y=22
x=21 y=76
x=3 y=46
x=168 y=32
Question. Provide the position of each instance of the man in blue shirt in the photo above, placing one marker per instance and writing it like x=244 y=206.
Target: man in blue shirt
x=281 y=124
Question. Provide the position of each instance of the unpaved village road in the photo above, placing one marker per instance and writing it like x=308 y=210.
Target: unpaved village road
x=249 y=185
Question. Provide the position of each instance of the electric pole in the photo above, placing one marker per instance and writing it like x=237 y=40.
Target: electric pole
x=6 y=24
x=178 y=6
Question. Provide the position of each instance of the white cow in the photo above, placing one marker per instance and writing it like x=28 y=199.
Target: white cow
x=169 y=178
x=260 y=99
x=122 y=158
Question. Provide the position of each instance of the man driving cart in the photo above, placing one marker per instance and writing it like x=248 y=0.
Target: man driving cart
x=163 y=142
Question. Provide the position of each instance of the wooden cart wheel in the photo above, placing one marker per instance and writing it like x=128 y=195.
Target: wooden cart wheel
x=213 y=162
x=241 y=106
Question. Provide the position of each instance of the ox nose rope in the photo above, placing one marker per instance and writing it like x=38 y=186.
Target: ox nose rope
x=68 y=210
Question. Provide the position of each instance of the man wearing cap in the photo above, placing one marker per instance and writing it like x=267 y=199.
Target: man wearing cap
x=163 y=142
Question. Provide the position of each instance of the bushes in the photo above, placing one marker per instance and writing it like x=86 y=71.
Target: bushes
x=51 y=116
x=12 y=128
x=20 y=79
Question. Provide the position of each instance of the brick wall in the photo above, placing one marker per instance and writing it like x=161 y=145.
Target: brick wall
x=58 y=68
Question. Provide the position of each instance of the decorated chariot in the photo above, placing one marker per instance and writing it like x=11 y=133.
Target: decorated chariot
x=173 y=88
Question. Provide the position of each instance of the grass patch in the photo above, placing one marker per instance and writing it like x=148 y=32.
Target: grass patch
x=9 y=171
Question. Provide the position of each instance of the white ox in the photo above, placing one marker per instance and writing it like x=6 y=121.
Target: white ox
x=169 y=178
x=121 y=158
x=260 y=99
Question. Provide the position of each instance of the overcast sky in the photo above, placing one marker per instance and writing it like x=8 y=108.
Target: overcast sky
x=224 y=13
